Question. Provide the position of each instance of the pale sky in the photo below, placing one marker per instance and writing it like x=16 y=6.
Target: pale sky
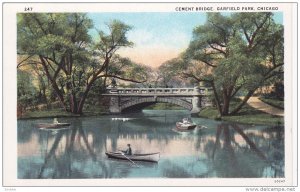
x=157 y=37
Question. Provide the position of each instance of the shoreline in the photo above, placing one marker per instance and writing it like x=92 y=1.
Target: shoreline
x=250 y=119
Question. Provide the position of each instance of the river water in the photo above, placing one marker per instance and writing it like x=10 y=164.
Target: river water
x=213 y=150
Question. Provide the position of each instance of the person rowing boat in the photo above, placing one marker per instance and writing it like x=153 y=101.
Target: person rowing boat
x=150 y=157
x=128 y=151
x=186 y=124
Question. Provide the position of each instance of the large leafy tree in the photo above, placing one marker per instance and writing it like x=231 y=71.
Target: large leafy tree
x=69 y=57
x=240 y=52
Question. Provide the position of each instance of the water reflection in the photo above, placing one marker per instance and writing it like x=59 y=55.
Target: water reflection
x=221 y=150
x=238 y=154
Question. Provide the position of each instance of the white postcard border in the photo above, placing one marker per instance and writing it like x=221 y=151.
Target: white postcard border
x=10 y=96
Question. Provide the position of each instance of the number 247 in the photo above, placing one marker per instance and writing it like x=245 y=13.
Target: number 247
x=28 y=9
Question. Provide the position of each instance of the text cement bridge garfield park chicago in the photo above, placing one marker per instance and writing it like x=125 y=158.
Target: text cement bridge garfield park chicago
x=132 y=99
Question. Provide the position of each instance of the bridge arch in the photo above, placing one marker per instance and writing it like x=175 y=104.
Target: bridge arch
x=151 y=100
x=192 y=99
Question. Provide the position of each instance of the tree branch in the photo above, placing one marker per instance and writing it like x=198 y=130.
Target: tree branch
x=273 y=68
x=215 y=48
x=196 y=78
x=19 y=64
x=236 y=90
x=40 y=24
x=257 y=30
x=246 y=35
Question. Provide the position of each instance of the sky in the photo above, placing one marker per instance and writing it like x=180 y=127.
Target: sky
x=157 y=37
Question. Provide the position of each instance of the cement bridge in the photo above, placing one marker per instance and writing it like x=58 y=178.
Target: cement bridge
x=126 y=99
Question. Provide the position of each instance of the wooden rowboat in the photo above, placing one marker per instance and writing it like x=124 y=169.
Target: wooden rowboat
x=185 y=126
x=150 y=157
x=52 y=125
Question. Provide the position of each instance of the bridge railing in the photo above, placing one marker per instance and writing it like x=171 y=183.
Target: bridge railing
x=158 y=91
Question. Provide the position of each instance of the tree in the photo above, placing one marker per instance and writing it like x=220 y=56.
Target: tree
x=71 y=60
x=167 y=74
x=37 y=76
x=240 y=52
x=26 y=92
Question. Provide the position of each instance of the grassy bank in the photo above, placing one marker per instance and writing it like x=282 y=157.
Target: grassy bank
x=51 y=113
x=89 y=111
x=247 y=115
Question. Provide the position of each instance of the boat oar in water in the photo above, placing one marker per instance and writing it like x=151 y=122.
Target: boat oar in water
x=128 y=158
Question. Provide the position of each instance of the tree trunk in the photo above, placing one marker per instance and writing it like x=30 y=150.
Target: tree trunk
x=218 y=103
x=81 y=104
x=239 y=107
x=73 y=104
x=53 y=83
x=84 y=95
x=226 y=102
x=225 y=109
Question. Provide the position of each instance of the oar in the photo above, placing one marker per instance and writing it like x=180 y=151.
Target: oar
x=129 y=159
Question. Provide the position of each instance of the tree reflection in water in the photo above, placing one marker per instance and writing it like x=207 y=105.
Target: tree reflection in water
x=65 y=154
x=235 y=159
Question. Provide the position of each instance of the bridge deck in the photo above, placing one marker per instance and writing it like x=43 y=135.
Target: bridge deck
x=157 y=91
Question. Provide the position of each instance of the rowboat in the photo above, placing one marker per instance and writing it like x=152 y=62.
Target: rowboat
x=181 y=126
x=150 y=157
x=52 y=125
x=185 y=125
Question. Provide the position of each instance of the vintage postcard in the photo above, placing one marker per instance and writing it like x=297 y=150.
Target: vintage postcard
x=150 y=94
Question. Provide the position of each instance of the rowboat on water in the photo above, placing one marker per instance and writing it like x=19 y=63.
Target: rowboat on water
x=150 y=157
x=185 y=125
x=54 y=125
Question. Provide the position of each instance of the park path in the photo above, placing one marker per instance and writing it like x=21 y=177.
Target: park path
x=259 y=105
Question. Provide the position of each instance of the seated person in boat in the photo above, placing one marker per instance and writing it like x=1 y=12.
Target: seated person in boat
x=55 y=121
x=185 y=121
x=128 y=151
